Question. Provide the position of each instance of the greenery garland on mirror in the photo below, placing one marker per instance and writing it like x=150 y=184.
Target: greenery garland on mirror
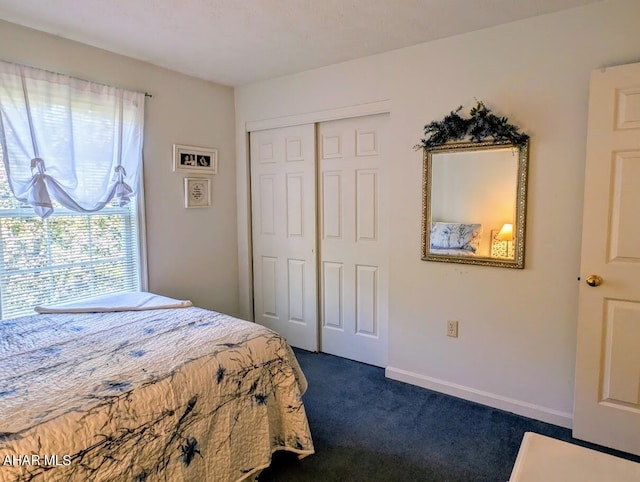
x=481 y=125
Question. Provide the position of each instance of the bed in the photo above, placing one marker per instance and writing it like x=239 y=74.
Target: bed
x=455 y=239
x=453 y=252
x=145 y=394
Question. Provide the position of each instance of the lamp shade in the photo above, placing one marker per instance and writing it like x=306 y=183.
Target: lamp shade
x=506 y=233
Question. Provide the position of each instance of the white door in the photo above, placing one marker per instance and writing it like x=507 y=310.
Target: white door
x=283 y=204
x=607 y=392
x=353 y=238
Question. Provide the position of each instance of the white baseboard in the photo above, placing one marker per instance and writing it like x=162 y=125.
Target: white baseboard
x=519 y=407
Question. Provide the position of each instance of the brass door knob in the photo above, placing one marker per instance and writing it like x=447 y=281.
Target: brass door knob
x=594 y=280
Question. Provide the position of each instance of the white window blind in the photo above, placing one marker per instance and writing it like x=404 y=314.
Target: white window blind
x=71 y=160
x=68 y=140
x=66 y=256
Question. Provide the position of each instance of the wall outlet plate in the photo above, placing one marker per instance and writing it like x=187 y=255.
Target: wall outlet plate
x=452 y=328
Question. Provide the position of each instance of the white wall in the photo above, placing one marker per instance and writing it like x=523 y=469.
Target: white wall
x=192 y=253
x=517 y=327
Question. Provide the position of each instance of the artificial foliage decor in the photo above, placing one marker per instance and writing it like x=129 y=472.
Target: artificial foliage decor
x=480 y=126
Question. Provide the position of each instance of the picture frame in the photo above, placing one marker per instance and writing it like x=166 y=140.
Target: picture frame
x=197 y=159
x=197 y=192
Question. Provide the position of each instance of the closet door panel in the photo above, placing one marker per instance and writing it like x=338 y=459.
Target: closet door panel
x=353 y=242
x=283 y=203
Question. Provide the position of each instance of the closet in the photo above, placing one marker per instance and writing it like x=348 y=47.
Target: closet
x=319 y=209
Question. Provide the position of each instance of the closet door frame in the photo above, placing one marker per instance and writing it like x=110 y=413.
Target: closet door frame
x=245 y=247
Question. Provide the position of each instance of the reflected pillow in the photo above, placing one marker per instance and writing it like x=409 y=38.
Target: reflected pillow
x=456 y=236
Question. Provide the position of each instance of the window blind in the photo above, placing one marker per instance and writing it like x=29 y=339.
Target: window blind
x=65 y=257
x=68 y=140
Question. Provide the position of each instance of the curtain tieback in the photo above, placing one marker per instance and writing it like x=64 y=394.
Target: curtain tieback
x=38 y=163
x=123 y=190
x=38 y=195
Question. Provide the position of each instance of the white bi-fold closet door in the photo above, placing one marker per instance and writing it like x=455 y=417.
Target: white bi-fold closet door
x=319 y=224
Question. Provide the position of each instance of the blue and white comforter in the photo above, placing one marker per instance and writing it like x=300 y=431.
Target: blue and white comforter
x=161 y=395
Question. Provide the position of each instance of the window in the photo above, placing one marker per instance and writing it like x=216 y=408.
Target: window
x=67 y=256
x=70 y=164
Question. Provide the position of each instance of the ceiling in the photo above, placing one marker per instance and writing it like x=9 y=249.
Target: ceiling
x=236 y=42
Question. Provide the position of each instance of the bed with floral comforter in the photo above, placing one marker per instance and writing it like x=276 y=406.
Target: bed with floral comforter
x=157 y=395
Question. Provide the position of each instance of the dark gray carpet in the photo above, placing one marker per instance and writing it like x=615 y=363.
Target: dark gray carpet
x=368 y=428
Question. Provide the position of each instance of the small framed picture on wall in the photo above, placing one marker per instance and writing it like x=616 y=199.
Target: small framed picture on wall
x=197 y=192
x=190 y=158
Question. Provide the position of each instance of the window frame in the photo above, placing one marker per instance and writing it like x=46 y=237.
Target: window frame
x=139 y=208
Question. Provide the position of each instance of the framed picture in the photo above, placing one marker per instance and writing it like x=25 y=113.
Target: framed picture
x=197 y=192
x=192 y=158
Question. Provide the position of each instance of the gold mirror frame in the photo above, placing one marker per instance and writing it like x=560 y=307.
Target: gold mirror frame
x=521 y=204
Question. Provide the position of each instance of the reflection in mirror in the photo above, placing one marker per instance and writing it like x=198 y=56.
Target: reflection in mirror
x=474 y=203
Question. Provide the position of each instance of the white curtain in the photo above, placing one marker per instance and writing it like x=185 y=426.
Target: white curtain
x=68 y=140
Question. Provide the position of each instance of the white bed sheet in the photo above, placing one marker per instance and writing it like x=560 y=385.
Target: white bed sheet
x=132 y=301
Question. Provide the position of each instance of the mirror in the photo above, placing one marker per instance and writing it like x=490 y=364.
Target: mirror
x=474 y=203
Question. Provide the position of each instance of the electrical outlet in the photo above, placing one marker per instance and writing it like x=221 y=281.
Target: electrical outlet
x=452 y=328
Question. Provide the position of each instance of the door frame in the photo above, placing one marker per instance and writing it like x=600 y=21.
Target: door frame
x=243 y=176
